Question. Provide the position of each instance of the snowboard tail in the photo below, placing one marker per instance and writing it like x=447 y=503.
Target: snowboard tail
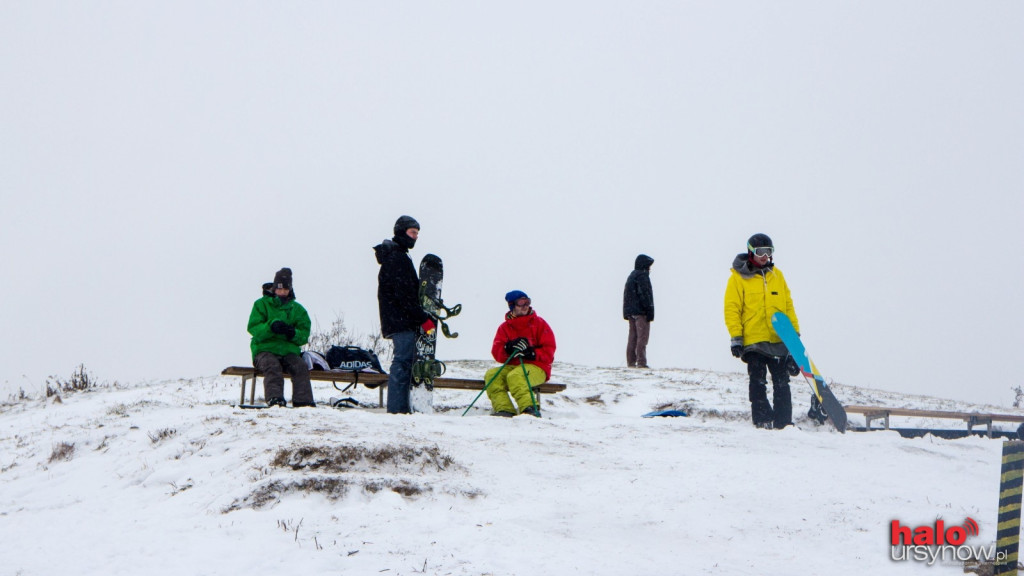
x=833 y=408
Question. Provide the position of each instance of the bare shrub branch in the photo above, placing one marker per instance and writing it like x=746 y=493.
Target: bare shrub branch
x=338 y=334
x=79 y=381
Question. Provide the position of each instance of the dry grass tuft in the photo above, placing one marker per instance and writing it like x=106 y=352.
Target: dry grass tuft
x=62 y=451
x=334 y=471
x=161 y=435
x=360 y=458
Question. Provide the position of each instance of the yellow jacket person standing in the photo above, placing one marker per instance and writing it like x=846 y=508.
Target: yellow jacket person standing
x=756 y=290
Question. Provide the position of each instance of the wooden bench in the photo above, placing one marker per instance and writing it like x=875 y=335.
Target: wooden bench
x=971 y=418
x=368 y=379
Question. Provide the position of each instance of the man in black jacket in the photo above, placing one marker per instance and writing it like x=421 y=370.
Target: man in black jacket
x=400 y=311
x=638 y=309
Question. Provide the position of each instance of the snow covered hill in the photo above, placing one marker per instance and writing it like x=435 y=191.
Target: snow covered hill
x=168 y=478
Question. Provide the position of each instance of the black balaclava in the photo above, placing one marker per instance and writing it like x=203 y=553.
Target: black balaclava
x=401 y=225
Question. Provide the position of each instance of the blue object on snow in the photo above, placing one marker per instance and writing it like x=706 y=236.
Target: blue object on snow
x=664 y=413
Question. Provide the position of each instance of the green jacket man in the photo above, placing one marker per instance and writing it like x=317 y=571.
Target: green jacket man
x=280 y=327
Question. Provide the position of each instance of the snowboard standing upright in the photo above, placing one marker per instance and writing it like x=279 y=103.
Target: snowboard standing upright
x=833 y=409
x=426 y=366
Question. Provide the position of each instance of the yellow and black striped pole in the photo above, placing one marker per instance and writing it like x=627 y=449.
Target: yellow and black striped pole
x=1011 y=481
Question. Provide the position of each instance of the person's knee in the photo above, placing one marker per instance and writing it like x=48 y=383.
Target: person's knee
x=296 y=365
x=532 y=378
x=402 y=361
x=267 y=361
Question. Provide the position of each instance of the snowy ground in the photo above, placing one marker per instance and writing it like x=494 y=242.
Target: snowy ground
x=169 y=478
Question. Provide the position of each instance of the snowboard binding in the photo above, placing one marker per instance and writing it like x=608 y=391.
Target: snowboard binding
x=817 y=411
x=424 y=371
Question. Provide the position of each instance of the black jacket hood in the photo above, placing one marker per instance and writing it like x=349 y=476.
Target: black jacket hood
x=643 y=262
x=386 y=248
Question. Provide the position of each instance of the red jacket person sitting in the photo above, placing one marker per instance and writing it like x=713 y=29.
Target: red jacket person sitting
x=526 y=333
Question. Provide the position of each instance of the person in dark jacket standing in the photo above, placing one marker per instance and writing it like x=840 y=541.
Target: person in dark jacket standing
x=280 y=327
x=638 y=309
x=400 y=311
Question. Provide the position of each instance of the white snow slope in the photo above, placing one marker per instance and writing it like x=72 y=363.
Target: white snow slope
x=169 y=478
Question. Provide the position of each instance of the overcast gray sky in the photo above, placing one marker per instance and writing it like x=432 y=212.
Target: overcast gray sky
x=160 y=160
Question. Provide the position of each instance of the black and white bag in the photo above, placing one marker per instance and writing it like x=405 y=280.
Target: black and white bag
x=353 y=358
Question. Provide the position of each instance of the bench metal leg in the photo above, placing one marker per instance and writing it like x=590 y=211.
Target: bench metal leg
x=975 y=420
x=869 y=416
x=252 y=394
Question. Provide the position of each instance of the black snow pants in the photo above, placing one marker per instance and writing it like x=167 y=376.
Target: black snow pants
x=273 y=367
x=761 y=411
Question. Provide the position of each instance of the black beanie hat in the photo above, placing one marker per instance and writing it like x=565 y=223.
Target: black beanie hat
x=404 y=223
x=283 y=278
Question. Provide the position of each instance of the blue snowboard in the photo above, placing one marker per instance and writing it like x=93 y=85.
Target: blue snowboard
x=835 y=411
x=664 y=413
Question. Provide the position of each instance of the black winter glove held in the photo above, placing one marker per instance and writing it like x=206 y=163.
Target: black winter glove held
x=286 y=330
x=530 y=354
x=518 y=345
x=792 y=366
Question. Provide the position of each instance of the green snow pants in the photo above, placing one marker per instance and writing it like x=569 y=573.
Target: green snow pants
x=512 y=382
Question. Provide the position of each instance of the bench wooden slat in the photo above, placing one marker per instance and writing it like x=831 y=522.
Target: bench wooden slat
x=321 y=375
x=373 y=379
x=977 y=416
x=971 y=418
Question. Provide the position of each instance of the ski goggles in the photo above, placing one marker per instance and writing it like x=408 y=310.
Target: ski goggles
x=762 y=251
x=523 y=303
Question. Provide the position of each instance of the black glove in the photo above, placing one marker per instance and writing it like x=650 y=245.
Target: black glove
x=530 y=354
x=792 y=367
x=736 y=346
x=518 y=345
x=279 y=327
